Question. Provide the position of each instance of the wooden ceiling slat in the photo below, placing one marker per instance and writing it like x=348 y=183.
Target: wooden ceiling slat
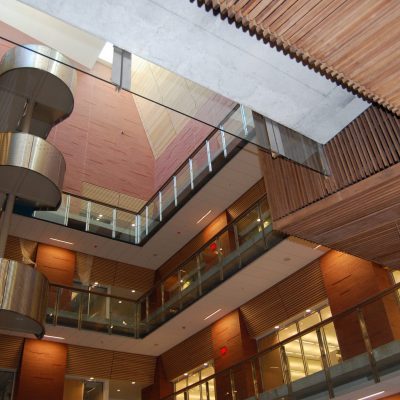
x=354 y=42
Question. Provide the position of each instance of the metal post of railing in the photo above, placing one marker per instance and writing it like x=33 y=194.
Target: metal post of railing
x=367 y=343
x=286 y=371
x=137 y=228
x=114 y=222
x=208 y=155
x=237 y=244
x=223 y=140
x=185 y=395
x=160 y=204
x=57 y=306
x=147 y=220
x=80 y=311
x=207 y=391
x=147 y=313
x=162 y=300
x=255 y=380
x=244 y=120
x=180 y=288
x=88 y=208
x=199 y=279
x=175 y=192
x=67 y=207
x=232 y=383
x=191 y=173
x=325 y=364
x=303 y=357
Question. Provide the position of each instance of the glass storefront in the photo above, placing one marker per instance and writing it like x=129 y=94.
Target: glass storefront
x=302 y=356
x=6 y=384
x=205 y=391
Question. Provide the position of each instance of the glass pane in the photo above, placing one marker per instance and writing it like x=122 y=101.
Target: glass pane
x=243 y=380
x=228 y=252
x=183 y=187
x=156 y=309
x=194 y=393
x=211 y=274
x=77 y=213
x=123 y=314
x=250 y=236
x=325 y=313
x=217 y=151
x=95 y=311
x=200 y=166
x=51 y=304
x=189 y=282
x=172 y=293
x=332 y=344
x=101 y=220
x=69 y=307
x=168 y=199
x=6 y=385
x=125 y=226
x=57 y=216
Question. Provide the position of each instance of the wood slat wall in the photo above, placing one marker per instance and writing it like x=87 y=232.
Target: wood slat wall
x=106 y=364
x=10 y=351
x=13 y=249
x=189 y=354
x=371 y=143
x=284 y=300
x=354 y=43
x=122 y=275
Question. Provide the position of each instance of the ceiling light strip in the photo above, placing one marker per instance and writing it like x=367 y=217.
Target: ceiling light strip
x=215 y=312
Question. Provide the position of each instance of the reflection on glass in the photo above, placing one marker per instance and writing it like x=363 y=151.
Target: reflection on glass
x=6 y=384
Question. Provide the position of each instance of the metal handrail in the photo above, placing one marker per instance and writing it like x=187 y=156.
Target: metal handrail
x=358 y=307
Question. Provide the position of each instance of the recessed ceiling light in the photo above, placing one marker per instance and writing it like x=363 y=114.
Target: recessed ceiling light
x=54 y=337
x=258 y=219
x=119 y=301
x=186 y=374
x=118 y=390
x=61 y=241
x=308 y=310
x=276 y=326
x=204 y=216
x=133 y=290
x=133 y=382
x=100 y=215
x=91 y=378
x=317 y=246
x=97 y=219
x=371 y=395
x=133 y=224
x=205 y=364
x=124 y=323
x=215 y=312
x=96 y=283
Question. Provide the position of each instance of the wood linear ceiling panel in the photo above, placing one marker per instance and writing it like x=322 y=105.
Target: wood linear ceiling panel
x=354 y=42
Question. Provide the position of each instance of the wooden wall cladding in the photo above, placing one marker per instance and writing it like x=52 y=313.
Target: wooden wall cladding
x=106 y=364
x=10 y=351
x=249 y=198
x=371 y=143
x=13 y=249
x=287 y=298
x=122 y=275
x=42 y=371
x=352 y=42
x=189 y=354
x=56 y=263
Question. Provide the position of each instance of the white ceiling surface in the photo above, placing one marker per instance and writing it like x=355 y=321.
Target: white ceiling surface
x=183 y=38
x=74 y=43
x=219 y=193
x=273 y=266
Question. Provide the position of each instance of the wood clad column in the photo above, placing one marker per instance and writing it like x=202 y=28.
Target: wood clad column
x=42 y=371
x=231 y=334
x=350 y=280
x=161 y=387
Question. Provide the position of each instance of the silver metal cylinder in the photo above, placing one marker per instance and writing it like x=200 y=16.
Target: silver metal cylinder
x=23 y=298
x=31 y=169
x=37 y=75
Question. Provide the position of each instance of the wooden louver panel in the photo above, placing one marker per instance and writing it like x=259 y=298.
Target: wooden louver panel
x=133 y=367
x=371 y=143
x=284 y=300
x=13 y=249
x=189 y=354
x=10 y=351
x=355 y=43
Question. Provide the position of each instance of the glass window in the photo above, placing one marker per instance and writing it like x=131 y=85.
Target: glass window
x=204 y=391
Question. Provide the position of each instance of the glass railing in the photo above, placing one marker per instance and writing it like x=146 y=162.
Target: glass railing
x=240 y=243
x=353 y=348
x=136 y=228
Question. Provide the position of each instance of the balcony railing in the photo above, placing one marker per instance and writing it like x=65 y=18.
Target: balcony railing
x=368 y=357
x=241 y=242
x=136 y=228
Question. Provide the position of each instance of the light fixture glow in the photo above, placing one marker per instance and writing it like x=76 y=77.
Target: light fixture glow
x=317 y=246
x=91 y=378
x=133 y=382
x=308 y=310
x=133 y=224
x=215 y=312
x=276 y=326
x=54 y=337
x=119 y=301
x=205 y=364
x=371 y=395
x=204 y=216
x=124 y=323
x=186 y=374
x=258 y=219
x=100 y=215
x=118 y=390
x=133 y=290
x=61 y=241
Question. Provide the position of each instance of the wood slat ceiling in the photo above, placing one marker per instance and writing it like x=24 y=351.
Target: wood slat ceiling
x=355 y=43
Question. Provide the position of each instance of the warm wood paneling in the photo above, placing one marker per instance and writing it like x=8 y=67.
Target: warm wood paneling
x=287 y=298
x=350 y=280
x=250 y=197
x=106 y=364
x=42 y=371
x=113 y=273
x=355 y=43
x=56 y=263
x=371 y=143
x=13 y=249
x=10 y=351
